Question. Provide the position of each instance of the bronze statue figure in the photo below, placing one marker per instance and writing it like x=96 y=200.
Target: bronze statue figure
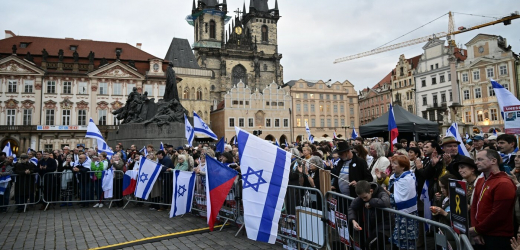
x=171 y=92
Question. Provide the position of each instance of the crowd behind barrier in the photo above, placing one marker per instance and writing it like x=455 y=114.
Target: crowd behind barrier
x=390 y=213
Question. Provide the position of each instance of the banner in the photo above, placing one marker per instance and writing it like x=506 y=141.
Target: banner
x=458 y=206
x=512 y=119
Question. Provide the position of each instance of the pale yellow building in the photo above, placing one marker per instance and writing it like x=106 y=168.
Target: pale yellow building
x=268 y=111
x=403 y=82
x=326 y=107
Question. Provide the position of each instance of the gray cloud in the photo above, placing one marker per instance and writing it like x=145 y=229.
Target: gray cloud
x=312 y=34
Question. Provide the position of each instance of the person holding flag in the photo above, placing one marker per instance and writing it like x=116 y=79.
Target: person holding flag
x=309 y=135
x=392 y=128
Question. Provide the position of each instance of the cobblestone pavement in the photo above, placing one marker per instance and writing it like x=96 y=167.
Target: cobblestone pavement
x=84 y=228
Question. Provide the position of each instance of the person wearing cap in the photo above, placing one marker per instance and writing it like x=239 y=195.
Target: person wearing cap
x=24 y=185
x=492 y=208
x=350 y=170
x=469 y=172
x=450 y=145
x=478 y=145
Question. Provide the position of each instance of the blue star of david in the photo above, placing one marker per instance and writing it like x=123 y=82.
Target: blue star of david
x=259 y=181
x=188 y=129
x=205 y=125
x=143 y=178
x=181 y=190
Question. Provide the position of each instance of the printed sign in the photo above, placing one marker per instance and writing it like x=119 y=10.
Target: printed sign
x=512 y=119
x=458 y=206
x=48 y=127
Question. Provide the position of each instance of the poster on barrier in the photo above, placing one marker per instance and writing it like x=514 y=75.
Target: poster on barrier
x=332 y=204
x=458 y=206
x=342 y=226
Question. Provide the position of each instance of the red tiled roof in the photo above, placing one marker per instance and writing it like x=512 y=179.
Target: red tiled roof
x=220 y=105
x=53 y=45
x=414 y=61
x=387 y=79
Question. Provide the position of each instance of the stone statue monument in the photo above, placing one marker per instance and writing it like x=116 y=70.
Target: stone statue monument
x=91 y=57
x=60 y=55
x=171 y=92
x=75 y=55
x=45 y=55
x=14 y=49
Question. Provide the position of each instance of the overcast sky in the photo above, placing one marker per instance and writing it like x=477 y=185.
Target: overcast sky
x=311 y=34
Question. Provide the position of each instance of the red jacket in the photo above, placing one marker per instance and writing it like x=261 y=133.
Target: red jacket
x=493 y=205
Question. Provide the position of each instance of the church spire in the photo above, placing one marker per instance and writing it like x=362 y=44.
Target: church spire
x=244 y=9
x=194 y=7
x=276 y=4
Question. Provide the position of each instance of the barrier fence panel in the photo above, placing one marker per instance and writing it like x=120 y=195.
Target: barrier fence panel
x=21 y=191
x=161 y=194
x=382 y=228
x=302 y=222
x=70 y=187
x=465 y=243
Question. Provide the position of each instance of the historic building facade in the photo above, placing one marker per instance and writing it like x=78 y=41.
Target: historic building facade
x=325 y=107
x=403 y=82
x=375 y=101
x=268 y=111
x=51 y=87
x=488 y=57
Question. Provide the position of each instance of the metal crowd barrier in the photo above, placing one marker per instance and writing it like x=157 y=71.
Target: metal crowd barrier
x=78 y=187
x=302 y=222
x=379 y=225
x=24 y=189
x=464 y=241
x=161 y=193
x=231 y=210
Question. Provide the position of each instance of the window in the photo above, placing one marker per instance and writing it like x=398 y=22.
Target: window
x=116 y=121
x=451 y=96
x=434 y=99
x=478 y=93
x=321 y=108
x=73 y=48
x=491 y=91
x=341 y=97
x=82 y=88
x=298 y=107
x=322 y=122
x=199 y=94
x=449 y=77
x=51 y=87
x=476 y=75
x=117 y=88
x=443 y=97
x=49 y=117
x=312 y=108
x=503 y=70
x=67 y=87
x=423 y=83
x=321 y=96
x=82 y=117
x=148 y=88
x=212 y=29
x=480 y=117
x=286 y=122
x=305 y=95
x=102 y=115
x=335 y=108
x=334 y=97
x=129 y=88
x=268 y=122
x=494 y=114
x=11 y=86
x=232 y=122
x=48 y=147
x=343 y=122
x=186 y=94
x=305 y=108
x=410 y=109
x=329 y=123
x=103 y=88
x=431 y=67
x=11 y=116
x=328 y=97
x=335 y=122
x=297 y=95
x=466 y=94
x=424 y=101
x=23 y=45
x=28 y=86
x=162 y=89
x=311 y=96
x=436 y=65
x=350 y=100
x=434 y=80
x=65 y=118
x=241 y=122
x=265 y=36
x=425 y=115
x=298 y=122
x=27 y=116
x=352 y=111
x=276 y=123
x=490 y=72
x=341 y=109
x=441 y=79
x=468 y=116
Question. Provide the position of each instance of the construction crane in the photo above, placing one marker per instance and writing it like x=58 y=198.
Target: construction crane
x=451 y=32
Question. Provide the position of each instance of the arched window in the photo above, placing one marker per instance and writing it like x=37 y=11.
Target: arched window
x=212 y=31
x=239 y=73
x=199 y=94
x=192 y=94
x=264 y=33
x=186 y=93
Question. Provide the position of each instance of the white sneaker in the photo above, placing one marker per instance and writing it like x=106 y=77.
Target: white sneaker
x=97 y=205
x=100 y=205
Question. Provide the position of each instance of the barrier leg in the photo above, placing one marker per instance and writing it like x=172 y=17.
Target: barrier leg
x=110 y=205
x=223 y=225
x=240 y=229
x=46 y=206
x=128 y=201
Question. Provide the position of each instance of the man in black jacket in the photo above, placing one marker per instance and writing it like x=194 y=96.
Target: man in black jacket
x=48 y=165
x=350 y=170
x=82 y=168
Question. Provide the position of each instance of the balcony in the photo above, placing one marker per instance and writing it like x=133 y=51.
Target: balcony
x=437 y=106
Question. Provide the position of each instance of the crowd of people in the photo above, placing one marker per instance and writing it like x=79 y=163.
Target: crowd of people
x=376 y=174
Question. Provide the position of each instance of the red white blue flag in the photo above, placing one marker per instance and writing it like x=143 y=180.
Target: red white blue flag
x=392 y=127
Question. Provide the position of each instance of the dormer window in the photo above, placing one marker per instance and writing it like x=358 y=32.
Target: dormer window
x=73 y=47
x=24 y=45
x=119 y=50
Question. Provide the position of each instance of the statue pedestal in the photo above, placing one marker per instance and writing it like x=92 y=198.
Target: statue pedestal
x=141 y=135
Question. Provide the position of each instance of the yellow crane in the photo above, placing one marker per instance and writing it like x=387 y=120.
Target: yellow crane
x=451 y=32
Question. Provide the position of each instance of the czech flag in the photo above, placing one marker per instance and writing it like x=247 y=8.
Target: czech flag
x=219 y=180
x=392 y=127
x=129 y=182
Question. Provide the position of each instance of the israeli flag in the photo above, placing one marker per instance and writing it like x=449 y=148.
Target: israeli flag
x=190 y=132
x=265 y=176
x=34 y=161
x=144 y=150
x=309 y=136
x=4 y=181
x=504 y=97
x=93 y=131
x=148 y=173
x=103 y=147
x=161 y=147
x=28 y=150
x=467 y=135
x=354 y=133
x=454 y=131
x=277 y=144
x=425 y=198
x=202 y=128
x=7 y=149
x=183 y=190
